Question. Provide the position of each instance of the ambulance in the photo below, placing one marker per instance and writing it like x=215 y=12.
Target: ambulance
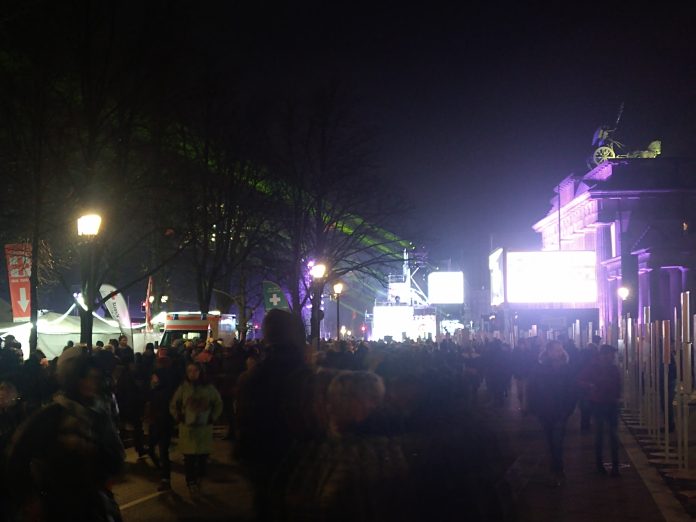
x=197 y=325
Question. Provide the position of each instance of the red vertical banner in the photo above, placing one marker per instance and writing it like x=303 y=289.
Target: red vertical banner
x=18 y=257
x=148 y=305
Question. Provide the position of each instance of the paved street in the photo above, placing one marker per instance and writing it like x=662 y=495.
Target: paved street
x=224 y=495
x=585 y=495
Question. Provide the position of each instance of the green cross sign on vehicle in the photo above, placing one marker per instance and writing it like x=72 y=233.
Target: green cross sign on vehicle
x=274 y=297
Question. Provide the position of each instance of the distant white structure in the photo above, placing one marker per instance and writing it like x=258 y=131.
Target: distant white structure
x=406 y=313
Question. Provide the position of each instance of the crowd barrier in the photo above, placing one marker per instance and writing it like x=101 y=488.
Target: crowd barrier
x=657 y=361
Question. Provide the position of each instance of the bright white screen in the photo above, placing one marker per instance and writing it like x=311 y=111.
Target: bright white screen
x=495 y=266
x=392 y=321
x=446 y=287
x=551 y=277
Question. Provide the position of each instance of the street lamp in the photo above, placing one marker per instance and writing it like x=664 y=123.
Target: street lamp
x=623 y=292
x=338 y=288
x=88 y=225
x=318 y=273
x=87 y=229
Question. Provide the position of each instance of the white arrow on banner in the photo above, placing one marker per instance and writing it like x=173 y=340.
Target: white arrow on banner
x=23 y=301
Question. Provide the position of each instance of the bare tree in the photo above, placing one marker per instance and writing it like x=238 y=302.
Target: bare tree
x=337 y=211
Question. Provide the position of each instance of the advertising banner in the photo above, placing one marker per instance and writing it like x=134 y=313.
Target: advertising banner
x=561 y=277
x=117 y=307
x=18 y=257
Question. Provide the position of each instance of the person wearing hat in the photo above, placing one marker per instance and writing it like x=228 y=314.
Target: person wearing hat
x=602 y=380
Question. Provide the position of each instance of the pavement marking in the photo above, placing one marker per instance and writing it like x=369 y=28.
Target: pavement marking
x=669 y=506
x=141 y=500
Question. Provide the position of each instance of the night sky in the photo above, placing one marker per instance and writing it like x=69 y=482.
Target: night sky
x=481 y=110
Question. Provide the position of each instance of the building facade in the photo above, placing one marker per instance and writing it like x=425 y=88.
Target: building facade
x=638 y=216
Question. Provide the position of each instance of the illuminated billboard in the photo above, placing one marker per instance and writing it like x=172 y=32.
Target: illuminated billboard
x=446 y=288
x=564 y=276
x=392 y=321
x=496 y=268
x=398 y=322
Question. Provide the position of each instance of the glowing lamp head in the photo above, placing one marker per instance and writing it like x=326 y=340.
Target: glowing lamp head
x=318 y=271
x=338 y=288
x=623 y=292
x=88 y=225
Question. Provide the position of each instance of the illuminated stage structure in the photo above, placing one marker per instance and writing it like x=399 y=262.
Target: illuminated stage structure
x=637 y=216
x=408 y=313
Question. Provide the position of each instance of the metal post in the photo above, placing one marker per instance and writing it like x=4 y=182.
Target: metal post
x=679 y=395
x=631 y=353
x=656 y=356
x=642 y=412
x=687 y=388
x=590 y=332
x=686 y=340
x=645 y=377
x=338 y=317
x=666 y=355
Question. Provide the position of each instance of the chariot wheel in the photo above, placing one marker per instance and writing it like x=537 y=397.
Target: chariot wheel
x=602 y=154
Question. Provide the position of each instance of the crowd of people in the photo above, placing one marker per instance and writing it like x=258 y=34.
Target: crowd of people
x=347 y=430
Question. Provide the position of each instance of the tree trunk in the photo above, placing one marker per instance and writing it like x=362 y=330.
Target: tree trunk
x=34 y=286
x=294 y=286
x=242 y=319
x=317 y=289
x=86 y=323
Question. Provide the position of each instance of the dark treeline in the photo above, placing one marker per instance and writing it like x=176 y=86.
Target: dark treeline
x=212 y=165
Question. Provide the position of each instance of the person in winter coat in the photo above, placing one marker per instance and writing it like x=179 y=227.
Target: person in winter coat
x=10 y=418
x=265 y=417
x=63 y=458
x=131 y=395
x=196 y=404
x=602 y=380
x=552 y=398
x=163 y=383
x=523 y=363
x=498 y=371
x=587 y=359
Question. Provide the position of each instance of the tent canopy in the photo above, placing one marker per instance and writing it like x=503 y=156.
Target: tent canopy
x=55 y=330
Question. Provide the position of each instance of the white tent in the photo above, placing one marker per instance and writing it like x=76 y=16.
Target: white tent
x=56 y=330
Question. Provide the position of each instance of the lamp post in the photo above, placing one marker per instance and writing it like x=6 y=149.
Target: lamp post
x=318 y=273
x=624 y=293
x=87 y=229
x=338 y=288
